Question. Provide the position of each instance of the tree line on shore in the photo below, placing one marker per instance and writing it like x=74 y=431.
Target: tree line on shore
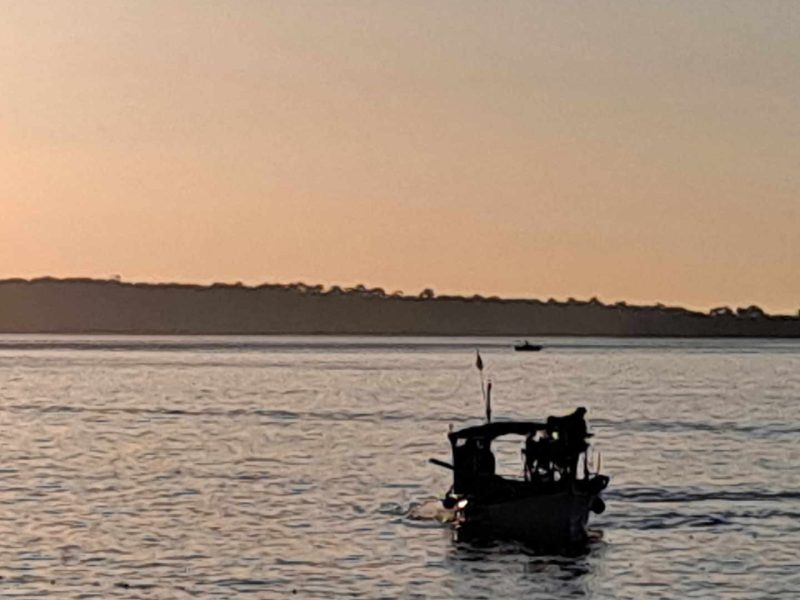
x=79 y=305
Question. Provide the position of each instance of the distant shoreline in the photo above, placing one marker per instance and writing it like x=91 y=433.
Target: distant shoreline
x=108 y=307
x=510 y=337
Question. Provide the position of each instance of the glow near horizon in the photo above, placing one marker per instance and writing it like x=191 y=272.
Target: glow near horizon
x=639 y=152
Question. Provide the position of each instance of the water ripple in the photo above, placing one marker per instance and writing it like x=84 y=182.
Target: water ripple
x=224 y=468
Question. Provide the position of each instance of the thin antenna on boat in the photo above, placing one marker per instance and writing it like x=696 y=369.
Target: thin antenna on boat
x=489 y=402
x=485 y=391
x=479 y=365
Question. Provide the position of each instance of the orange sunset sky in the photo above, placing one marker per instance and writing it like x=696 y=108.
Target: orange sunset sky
x=638 y=151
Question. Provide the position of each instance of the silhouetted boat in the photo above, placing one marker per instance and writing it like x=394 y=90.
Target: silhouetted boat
x=526 y=346
x=548 y=506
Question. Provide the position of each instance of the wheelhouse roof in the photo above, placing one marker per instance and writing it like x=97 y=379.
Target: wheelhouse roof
x=490 y=431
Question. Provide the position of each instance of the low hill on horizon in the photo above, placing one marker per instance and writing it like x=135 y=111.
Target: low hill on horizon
x=50 y=305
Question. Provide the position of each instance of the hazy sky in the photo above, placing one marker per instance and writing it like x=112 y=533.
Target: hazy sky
x=639 y=151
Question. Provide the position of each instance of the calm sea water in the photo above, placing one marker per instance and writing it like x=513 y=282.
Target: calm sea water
x=176 y=467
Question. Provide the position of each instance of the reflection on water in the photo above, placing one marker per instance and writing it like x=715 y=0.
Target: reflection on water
x=473 y=569
x=225 y=467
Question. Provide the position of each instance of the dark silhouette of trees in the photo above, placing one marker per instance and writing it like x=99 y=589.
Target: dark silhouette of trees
x=427 y=294
x=751 y=312
x=357 y=289
x=80 y=305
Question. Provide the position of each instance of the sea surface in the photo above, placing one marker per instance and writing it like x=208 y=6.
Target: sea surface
x=277 y=467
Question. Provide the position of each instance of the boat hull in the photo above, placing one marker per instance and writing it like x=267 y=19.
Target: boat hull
x=556 y=519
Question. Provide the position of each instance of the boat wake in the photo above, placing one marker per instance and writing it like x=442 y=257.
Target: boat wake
x=430 y=510
x=648 y=495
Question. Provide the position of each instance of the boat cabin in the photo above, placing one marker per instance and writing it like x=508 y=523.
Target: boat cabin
x=551 y=454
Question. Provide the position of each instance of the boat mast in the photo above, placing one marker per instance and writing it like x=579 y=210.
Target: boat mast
x=485 y=392
x=489 y=402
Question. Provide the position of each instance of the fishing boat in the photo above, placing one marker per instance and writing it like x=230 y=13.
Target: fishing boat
x=548 y=506
x=526 y=346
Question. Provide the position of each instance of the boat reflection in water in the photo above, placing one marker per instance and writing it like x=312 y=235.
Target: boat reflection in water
x=548 y=507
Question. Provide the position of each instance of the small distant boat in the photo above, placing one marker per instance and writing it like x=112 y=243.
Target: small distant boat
x=526 y=346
